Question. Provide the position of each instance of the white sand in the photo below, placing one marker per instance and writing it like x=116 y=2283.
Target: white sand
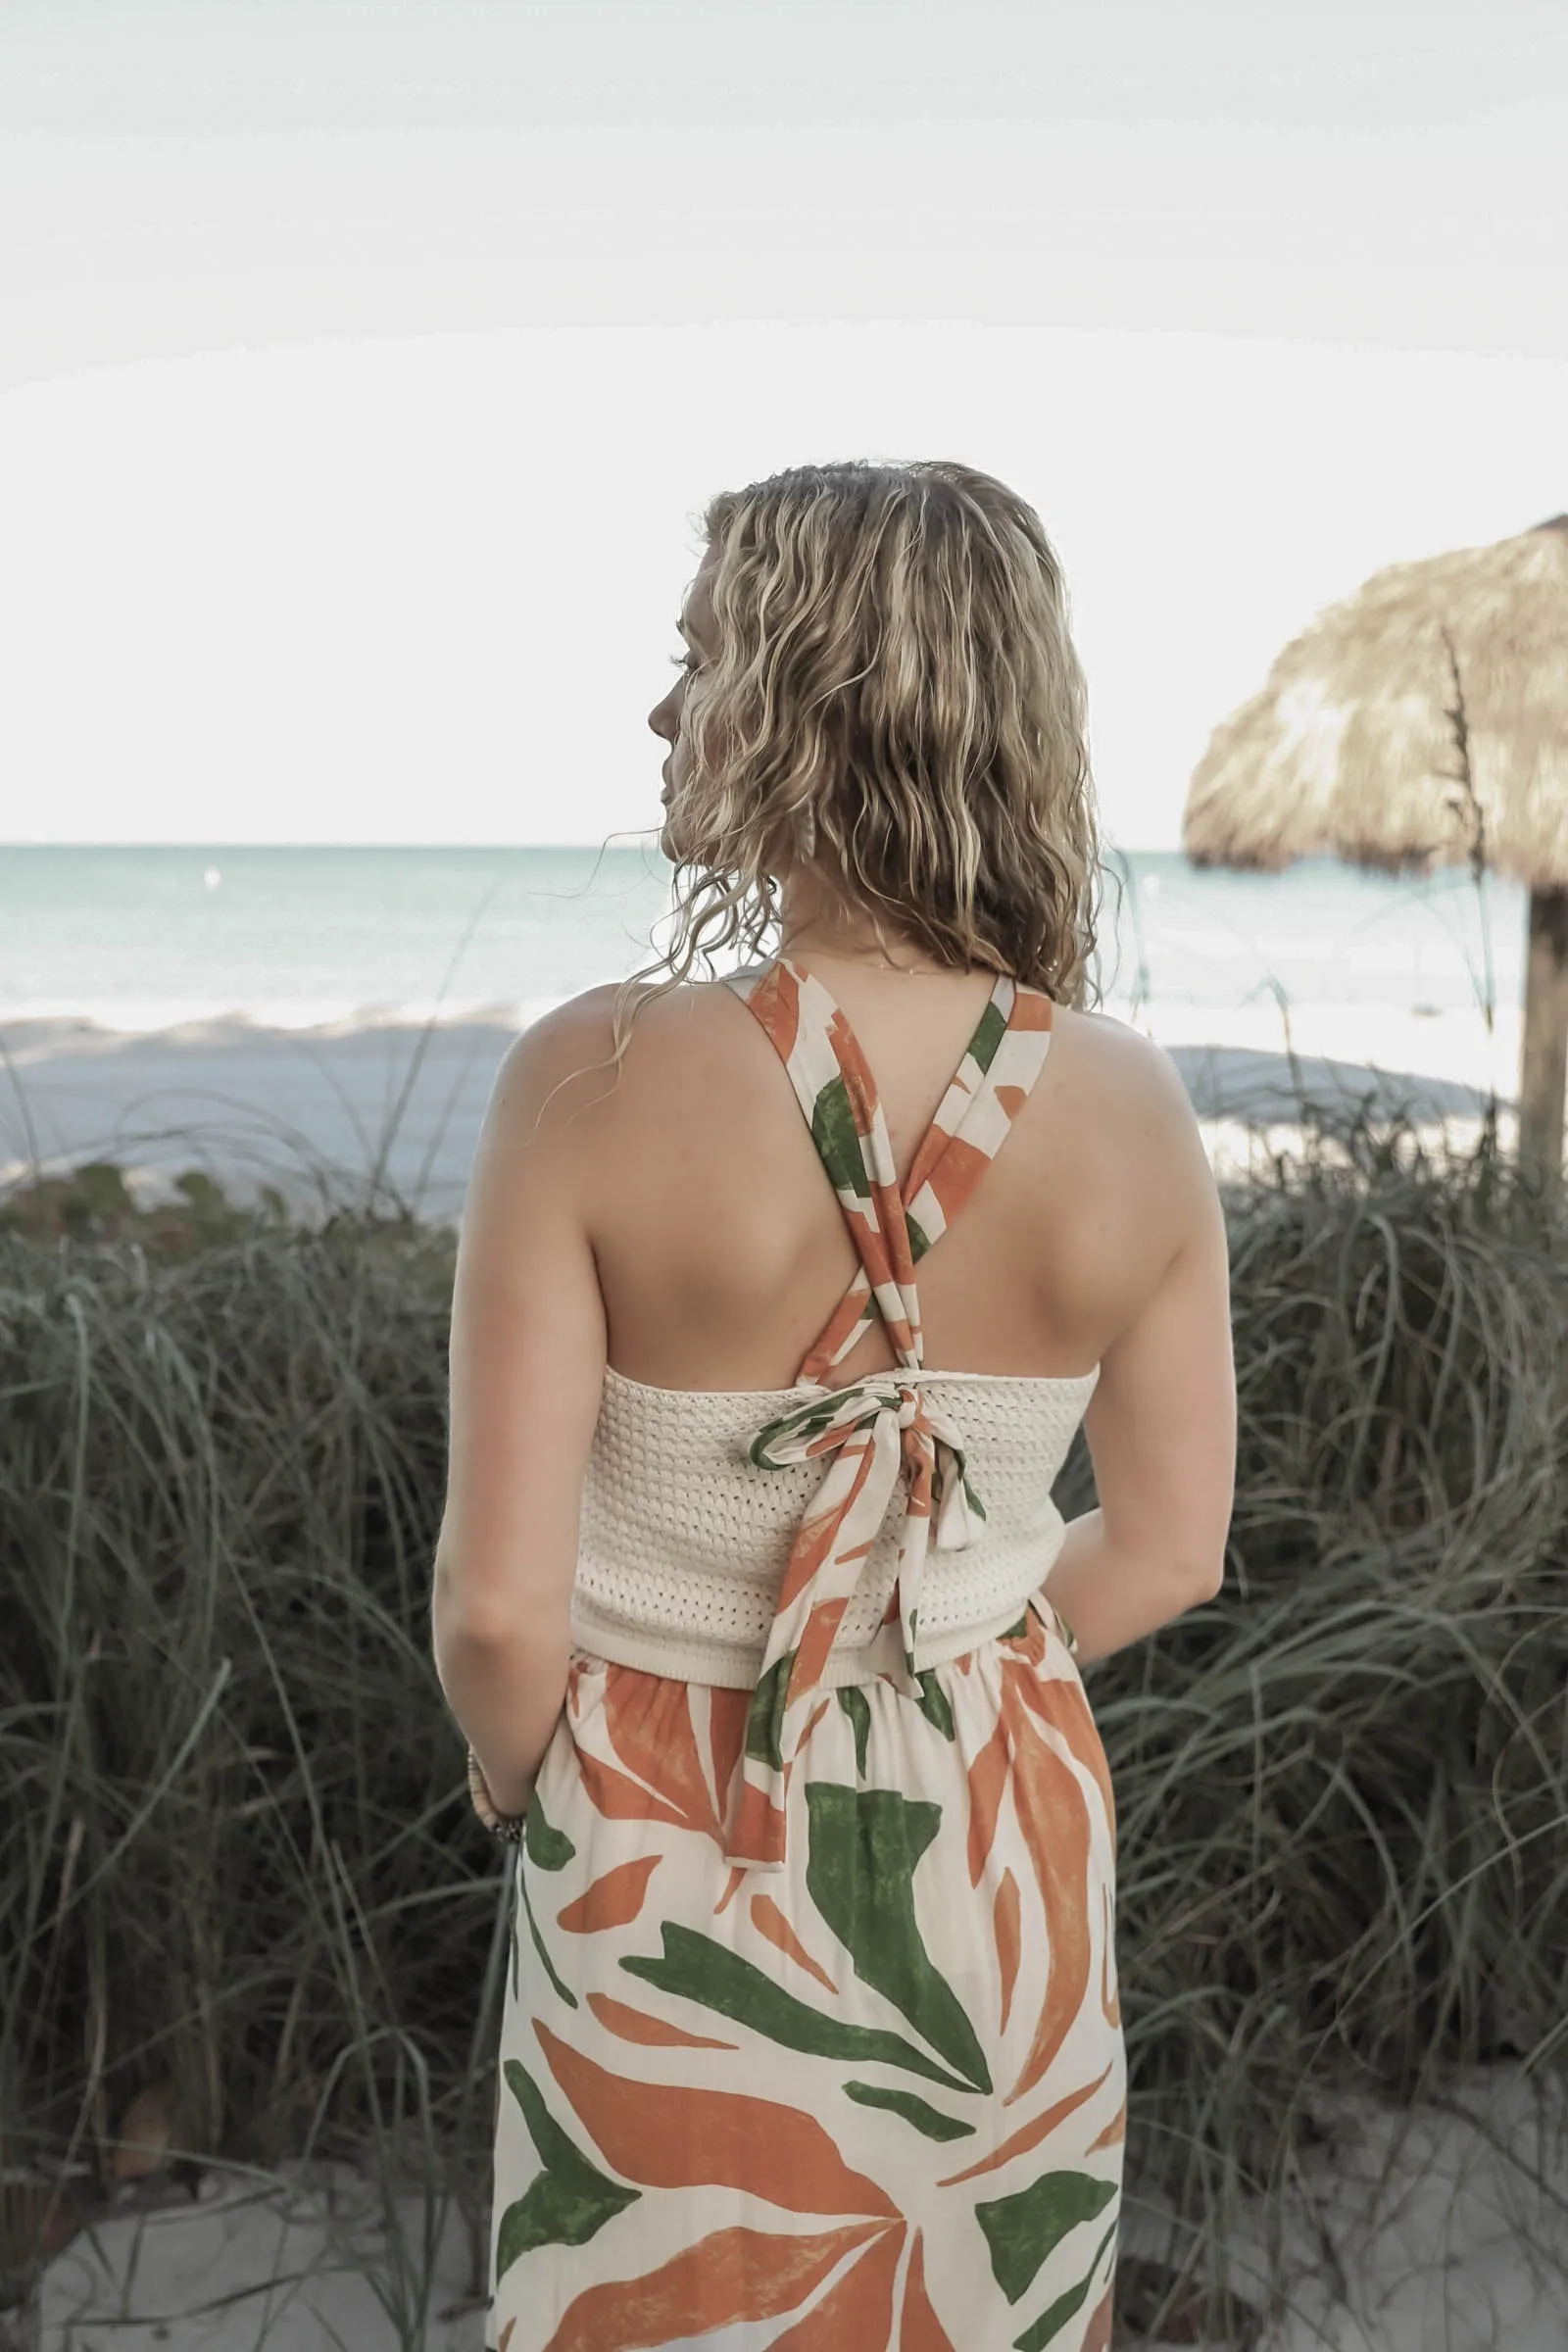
x=248 y=1103
x=1441 y=2252
x=1421 y=2232
x=299 y=2267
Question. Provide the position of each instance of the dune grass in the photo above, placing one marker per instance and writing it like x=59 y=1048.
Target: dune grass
x=245 y=1911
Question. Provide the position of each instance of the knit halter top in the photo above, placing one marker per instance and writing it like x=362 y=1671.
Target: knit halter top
x=748 y=1538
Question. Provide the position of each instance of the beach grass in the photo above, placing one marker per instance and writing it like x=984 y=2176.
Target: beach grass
x=245 y=1910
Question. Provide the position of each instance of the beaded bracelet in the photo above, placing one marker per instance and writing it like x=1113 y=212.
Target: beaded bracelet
x=500 y=1825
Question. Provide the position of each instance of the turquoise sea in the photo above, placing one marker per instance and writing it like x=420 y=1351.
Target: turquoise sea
x=144 y=937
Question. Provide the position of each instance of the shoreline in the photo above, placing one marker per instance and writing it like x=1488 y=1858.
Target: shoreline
x=252 y=1103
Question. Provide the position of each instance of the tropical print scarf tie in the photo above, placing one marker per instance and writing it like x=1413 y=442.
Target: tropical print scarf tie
x=872 y=1428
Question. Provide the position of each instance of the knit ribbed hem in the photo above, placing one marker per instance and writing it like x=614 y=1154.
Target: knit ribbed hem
x=735 y=1666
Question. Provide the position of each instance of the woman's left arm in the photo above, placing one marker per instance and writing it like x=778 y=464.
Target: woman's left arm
x=527 y=1369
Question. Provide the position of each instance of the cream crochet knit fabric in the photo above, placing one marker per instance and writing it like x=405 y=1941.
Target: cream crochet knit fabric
x=683 y=1542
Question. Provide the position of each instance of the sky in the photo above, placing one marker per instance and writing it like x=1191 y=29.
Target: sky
x=365 y=369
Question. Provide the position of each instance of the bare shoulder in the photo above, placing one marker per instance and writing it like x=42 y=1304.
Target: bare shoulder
x=1126 y=1095
x=563 y=1068
x=560 y=1064
x=1125 y=1061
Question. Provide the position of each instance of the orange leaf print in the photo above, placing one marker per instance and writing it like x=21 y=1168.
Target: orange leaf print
x=770 y=1921
x=1004 y=1926
x=649 y=1718
x=869 y=1242
x=921 y=2331
x=1064 y=1704
x=988 y=1781
x=776 y=1003
x=1054 y=1820
x=813 y=1541
x=847 y=1316
x=864 y=1235
x=821 y=1631
x=618 y=1799
x=956 y=1174
x=612 y=1900
x=734 y=2274
x=1031 y=1688
x=811 y=1722
x=933 y=1144
x=732 y=1886
x=727 y=1711
x=670 y=2135
x=506 y=2332
x=1028 y=2135
x=1097 y=2335
x=858 y=1083
x=858 y=2310
x=635 y=2025
x=758 y=1827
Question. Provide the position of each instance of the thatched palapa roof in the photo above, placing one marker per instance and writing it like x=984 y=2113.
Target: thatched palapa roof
x=1354 y=747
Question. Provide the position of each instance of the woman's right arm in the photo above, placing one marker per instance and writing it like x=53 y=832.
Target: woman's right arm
x=1162 y=1424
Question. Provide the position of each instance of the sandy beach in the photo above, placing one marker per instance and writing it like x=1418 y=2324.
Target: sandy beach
x=1424 y=2253
x=253 y=1104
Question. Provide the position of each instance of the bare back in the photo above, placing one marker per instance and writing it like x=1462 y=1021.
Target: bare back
x=719 y=1266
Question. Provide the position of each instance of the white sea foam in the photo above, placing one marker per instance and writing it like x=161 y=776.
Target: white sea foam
x=145 y=1016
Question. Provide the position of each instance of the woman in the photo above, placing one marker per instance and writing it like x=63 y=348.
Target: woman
x=751 y=1595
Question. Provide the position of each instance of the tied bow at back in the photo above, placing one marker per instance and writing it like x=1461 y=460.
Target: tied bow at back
x=866 y=1431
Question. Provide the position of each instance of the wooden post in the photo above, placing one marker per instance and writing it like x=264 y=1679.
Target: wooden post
x=1543 y=1053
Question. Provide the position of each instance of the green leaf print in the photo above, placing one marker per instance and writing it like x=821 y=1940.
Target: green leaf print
x=859 y=1871
x=933 y=1704
x=805 y=1421
x=989 y=1036
x=913 y=2109
x=1022 y=2229
x=764 y=1717
x=920 y=1239
x=1055 y=2315
x=858 y=1708
x=698 y=1969
x=547 y=1848
x=565 y=2204
x=566 y=1992
x=837 y=1139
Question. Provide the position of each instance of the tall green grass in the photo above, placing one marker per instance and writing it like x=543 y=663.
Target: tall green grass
x=237 y=1863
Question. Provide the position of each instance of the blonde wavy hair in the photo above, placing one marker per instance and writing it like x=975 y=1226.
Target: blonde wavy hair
x=894 y=700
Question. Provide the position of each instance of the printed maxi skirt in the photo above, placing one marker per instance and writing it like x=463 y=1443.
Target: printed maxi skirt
x=811 y=2036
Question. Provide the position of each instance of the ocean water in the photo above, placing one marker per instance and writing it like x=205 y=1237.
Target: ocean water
x=146 y=939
